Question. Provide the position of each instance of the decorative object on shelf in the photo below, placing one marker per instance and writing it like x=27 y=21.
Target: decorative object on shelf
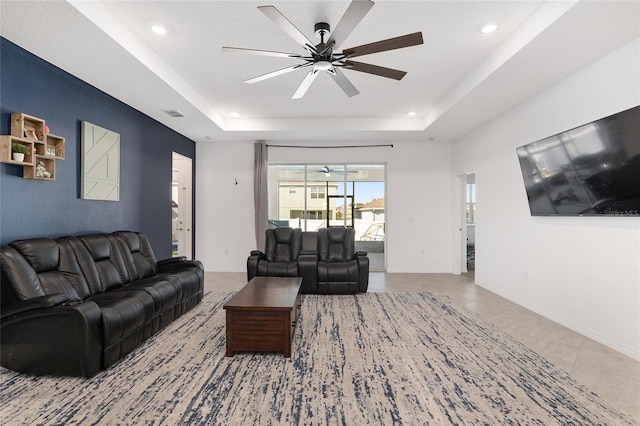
x=31 y=134
x=41 y=171
x=41 y=149
x=18 y=151
x=55 y=146
x=100 y=163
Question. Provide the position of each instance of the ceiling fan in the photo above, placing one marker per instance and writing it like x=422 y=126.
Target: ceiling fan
x=324 y=56
x=326 y=170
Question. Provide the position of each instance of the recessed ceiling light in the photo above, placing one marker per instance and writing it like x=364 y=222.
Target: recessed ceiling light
x=411 y=113
x=235 y=114
x=159 y=29
x=489 y=28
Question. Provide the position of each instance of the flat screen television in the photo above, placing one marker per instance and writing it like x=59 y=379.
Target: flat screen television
x=592 y=170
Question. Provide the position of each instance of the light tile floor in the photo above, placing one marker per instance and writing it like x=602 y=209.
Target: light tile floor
x=608 y=373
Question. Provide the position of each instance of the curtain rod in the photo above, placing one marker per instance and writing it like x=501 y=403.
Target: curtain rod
x=332 y=146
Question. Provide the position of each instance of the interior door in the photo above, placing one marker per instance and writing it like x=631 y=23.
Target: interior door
x=181 y=209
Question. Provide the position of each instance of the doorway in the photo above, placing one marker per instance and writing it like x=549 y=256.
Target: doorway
x=181 y=206
x=470 y=219
x=464 y=241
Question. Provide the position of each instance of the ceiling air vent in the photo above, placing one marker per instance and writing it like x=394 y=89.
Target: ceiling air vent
x=174 y=113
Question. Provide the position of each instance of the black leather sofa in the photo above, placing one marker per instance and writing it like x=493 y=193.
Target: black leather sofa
x=326 y=260
x=75 y=305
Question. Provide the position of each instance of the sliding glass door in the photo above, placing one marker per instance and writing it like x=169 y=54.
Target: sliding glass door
x=314 y=196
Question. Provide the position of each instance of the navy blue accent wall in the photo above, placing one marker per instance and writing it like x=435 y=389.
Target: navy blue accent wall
x=33 y=208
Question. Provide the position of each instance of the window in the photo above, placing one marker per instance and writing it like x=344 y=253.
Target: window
x=317 y=192
x=314 y=196
x=327 y=195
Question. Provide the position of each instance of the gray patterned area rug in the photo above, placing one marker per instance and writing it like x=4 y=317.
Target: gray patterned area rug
x=376 y=358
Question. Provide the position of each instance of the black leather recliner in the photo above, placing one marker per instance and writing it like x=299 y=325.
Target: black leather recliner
x=326 y=260
x=280 y=257
x=340 y=268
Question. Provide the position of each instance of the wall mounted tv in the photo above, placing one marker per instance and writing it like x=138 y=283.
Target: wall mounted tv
x=592 y=170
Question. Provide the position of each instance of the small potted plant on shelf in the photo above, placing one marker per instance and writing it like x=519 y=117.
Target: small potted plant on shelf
x=18 y=151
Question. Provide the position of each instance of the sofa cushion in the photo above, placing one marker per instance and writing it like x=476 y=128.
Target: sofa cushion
x=338 y=271
x=137 y=253
x=283 y=244
x=277 y=269
x=126 y=322
x=101 y=261
x=41 y=253
x=188 y=281
x=18 y=277
x=123 y=312
x=55 y=265
x=336 y=244
x=163 y=291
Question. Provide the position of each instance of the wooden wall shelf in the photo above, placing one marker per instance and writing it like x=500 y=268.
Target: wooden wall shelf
x=44 y=148
x=6 y=154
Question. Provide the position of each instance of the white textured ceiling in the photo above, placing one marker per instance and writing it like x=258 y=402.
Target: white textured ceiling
x=457 y=80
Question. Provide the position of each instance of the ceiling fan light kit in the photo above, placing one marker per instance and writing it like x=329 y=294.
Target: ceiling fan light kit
x=324 y=56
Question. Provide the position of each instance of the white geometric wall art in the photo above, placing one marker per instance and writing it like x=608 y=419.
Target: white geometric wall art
x=100 y=163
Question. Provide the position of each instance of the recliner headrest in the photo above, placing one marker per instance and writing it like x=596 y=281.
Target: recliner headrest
x=42 y=254
x=337 y=235
x=132 y=240
x=98 y=246
x=283 y=235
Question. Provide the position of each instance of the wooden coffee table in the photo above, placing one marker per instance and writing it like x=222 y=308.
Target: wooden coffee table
x=261 y=317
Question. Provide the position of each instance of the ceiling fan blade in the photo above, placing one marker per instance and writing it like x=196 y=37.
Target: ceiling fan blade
x=384 y=45
x=344 y=83
x=306 y=83
x=376 y=70
x=351 y=18
x=276 y=73
x=280 y=20
x=261 y=52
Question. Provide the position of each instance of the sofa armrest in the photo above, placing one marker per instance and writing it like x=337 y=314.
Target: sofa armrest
x=171 y=261
x=41 y=302
x=361 y=253
x=65 y=340
x=308 y=270
x=181 y=263
x=252 y=263
x=363 y=272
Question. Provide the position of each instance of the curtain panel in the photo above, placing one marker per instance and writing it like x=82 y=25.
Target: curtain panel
x=260 y=192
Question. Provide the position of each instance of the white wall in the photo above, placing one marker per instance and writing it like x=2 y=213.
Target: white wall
x=418 y=200
x=583 y=272
x=224 y=210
